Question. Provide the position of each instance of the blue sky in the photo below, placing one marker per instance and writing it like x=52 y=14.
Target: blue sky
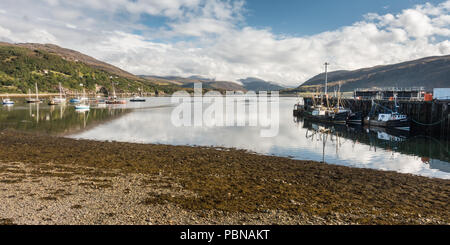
x=284 y=41
x=300 y=17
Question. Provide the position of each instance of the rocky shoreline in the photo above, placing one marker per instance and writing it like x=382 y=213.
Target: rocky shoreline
x=54 y=180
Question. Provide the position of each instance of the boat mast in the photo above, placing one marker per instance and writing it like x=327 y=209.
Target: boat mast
x=339 y=96
x=37 y=96
x=60 y=92
x=114 y=91
x=326 y=81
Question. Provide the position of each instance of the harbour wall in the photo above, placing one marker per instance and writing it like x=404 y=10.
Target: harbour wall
x=427 y=117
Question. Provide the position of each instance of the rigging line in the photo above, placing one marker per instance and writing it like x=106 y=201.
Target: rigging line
x=429 y=124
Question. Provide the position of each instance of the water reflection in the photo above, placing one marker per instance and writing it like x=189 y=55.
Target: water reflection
x=297 y=138
x=54 y=119
x=150 y=122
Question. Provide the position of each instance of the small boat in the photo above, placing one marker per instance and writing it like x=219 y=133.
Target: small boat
x=58 y=100
x=74 y=100
x=79 y=99
x=7 y=101
x=113 y=100
x=116 y=102
x=35 y=100
x=82 y=107
x=137 y=99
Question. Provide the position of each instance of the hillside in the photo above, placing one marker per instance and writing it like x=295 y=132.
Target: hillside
x=23 y=65
x=72 y=55
x=430 y=72
x=256 y=84
x=208 y=84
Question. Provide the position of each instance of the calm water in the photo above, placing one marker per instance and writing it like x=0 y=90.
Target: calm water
x=150 y=122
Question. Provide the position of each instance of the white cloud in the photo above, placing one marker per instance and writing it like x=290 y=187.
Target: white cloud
x=210 y=38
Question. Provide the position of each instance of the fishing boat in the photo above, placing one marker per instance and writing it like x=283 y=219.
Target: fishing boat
x=58 y=100
x=330 y=114
x=388 y=118
x=33 y=100
x=337 y=115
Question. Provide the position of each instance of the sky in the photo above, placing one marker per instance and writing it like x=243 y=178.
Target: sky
x=283 y=41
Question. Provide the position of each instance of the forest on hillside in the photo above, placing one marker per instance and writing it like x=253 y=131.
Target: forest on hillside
x=21 y=68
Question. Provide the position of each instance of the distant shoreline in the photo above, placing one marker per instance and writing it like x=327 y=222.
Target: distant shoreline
x=27 y=95
x=57 y=94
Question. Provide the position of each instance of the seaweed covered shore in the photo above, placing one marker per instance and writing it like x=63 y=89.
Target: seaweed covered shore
x=55 y=180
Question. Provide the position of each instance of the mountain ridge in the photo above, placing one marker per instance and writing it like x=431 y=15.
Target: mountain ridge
x=429 y=72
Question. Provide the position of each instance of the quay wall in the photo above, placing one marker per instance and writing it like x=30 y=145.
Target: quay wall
x=427 y=117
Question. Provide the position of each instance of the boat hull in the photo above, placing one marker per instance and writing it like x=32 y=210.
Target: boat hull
x=355 y=119
x=339 y=118
x=402 y=124
x=82 y=107
x=33 y=101
x=118 y=102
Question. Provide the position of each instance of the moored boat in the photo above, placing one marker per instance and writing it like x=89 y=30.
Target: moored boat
x=113 y=100
x=324 y=112
x=389 y=118
x=82 y=107
x=137 y=99
x=33 y=100
x=7 y=101
x=58 y=100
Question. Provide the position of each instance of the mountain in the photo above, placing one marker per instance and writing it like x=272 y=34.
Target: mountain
x=207 y=83
x=23 y=65
x=256 y=84
x=430 y=72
